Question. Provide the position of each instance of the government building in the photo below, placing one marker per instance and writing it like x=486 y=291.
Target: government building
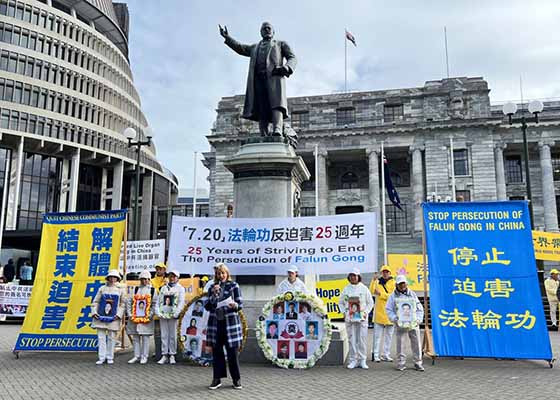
x=424 y=130
x=66 y=96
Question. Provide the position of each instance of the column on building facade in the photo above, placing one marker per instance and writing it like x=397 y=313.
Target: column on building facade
x=373 y=167
x=549 y=197
x=16 y=169
x=323 y=183
x=147 y=202
x=64 y=185
x=104 y=192
x=417 y=184
x=500 y=172
x=118 y=173
x=74 y=181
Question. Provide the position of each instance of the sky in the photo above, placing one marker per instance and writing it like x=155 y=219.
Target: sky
x=182 y=68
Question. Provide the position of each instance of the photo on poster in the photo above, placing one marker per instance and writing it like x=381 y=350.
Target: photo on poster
x=192 y=329
x=271 y=330
x=354 y=308
x=140 y=309
x=291 y=310
x=193 y=346
x=283 y=351
x=198 y=310
x=311 y=330
x=305 y=311
x=107 y=308
x=168 y=303
x=405 y=313
x=301 y=350
x=278 y=311
x=206 y=350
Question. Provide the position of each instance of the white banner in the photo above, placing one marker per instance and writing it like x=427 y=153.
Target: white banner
x=267 y=246
x=14 y=299
x=143 y=254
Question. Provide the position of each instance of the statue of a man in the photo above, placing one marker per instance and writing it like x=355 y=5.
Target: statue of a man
x=265 y=97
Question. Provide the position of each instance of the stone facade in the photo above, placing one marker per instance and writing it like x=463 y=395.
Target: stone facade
x=415 y=126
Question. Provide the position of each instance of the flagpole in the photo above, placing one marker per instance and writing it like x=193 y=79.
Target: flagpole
x=194 y=184
x=383 y=204
x=316 y=154
x=345 y=63
x=453 y=191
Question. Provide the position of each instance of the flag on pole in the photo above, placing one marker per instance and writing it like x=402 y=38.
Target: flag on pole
x=351 y=38
x=391 y=191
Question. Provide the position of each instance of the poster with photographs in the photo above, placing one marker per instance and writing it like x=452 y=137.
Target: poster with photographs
x=193 y=322
x=293 y=330
x=406 y=313
x=354 y=310
x=107 y=308
x=168 y=304
x=141 y=304
x=14 y=300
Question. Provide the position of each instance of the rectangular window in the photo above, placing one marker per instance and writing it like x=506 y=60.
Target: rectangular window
x=393 y=112
x=9 y=92
x=307 y=212
x=461 y=162
x=514 y=171
x=12 y=64
x=555 y=158
x=462 y=195
x=4 y=60
x=7 y=36
x=345 y=116
x=300 y=120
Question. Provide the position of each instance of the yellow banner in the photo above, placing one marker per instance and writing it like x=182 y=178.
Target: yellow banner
x=329 y=292
x=77 y=251
x=547 y=245
x=410 y=265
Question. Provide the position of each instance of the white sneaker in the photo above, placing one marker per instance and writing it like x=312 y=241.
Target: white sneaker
x=352 y=365
x=171 y=360
x=99 y=362
x=162 y=360
x=363 y=364
x=386 y=359
x=133 y=360
x=143 y=360
x=110 y=362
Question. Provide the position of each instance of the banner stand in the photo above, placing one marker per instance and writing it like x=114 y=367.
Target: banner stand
x=427 y=345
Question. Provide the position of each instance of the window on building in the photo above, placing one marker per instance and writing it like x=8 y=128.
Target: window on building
x=89 y=188
x=307 y=211
x=345 y=116
x=461 y=162
x=393 y=112
x=514 y=171
x=396 y=219
x=462 y=195
x=556 y=166
x=300 y=120
x=349 y=180
x=517 y=197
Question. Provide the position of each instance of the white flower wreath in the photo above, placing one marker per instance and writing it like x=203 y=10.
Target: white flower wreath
x=320 y=311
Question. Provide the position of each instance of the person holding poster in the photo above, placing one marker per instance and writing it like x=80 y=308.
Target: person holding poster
x=382 y=288
x=171 y=300
x=107 y=311
x=551 y=285
x=140 y=325
x=405 y=310
x=355 y=303
x=224 y=327
x=292 y=283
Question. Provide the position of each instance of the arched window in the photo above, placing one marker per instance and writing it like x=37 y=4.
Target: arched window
x=349 y=180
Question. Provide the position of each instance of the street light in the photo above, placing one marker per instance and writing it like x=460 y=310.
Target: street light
x=131 y=134
x=535 y=107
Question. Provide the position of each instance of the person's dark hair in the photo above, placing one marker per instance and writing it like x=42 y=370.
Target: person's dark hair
x=406 y=305
x=273 y=323
x=359 y=277
x=292 y=304
x=199 y=302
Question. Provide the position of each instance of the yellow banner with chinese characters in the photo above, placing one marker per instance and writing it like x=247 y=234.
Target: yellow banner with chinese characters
x=329 y=292
x=546 y=245
x=77 y=251
x=411 y=266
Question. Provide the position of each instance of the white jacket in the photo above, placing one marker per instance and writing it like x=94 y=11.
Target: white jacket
x=362 y=292
x=176 y=290
x=116 y=324
x=297 y=286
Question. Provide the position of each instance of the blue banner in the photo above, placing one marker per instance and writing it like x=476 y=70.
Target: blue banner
x=484 y=291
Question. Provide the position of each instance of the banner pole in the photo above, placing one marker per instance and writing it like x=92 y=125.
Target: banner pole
x=427 y=345
x=125 y=253
x=384 y=222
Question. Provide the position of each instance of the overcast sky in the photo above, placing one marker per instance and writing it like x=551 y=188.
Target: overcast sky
x=182 y=68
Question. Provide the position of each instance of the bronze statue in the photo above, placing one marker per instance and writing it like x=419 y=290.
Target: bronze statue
x=265 y=97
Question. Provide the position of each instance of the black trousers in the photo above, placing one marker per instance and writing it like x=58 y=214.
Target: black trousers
x=219 y=359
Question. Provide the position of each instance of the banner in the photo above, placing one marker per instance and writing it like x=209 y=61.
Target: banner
x=484 y=291
x=14 y=300
x=142 y=254
x=77 y=251
x=547 y=245
x=267 y=246
x=329 y=292
x=411 y=266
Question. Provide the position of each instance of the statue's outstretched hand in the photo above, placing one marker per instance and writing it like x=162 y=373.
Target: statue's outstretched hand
x=281 y=71
x=224 y=31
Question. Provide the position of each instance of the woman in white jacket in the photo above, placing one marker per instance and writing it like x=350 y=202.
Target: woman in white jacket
x=140 y=331
x=171 y=300
x=107 y=320
x=355 y=303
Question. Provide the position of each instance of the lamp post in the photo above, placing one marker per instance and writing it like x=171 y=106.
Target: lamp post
x=131 y=134
x=535 y=107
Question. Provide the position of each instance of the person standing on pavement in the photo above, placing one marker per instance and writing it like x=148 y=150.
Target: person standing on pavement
x=382 y=288
x=403 y=295
x=224 y=327
x=551 y=285
x=26 y=274
x=356 y=326
x=172 y=294
x=292 y=283
x=107 y=329
x=157 y=282
x=141 y=331
x=9 y=271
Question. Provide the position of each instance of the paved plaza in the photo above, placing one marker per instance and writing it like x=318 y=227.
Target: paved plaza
x=75 y=376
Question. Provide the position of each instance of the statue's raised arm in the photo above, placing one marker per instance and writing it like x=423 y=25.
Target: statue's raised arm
x=272 y=61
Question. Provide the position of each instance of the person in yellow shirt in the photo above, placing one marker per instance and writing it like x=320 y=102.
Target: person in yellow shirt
x=551 y=287
x=382 y=287
x=159 y=279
